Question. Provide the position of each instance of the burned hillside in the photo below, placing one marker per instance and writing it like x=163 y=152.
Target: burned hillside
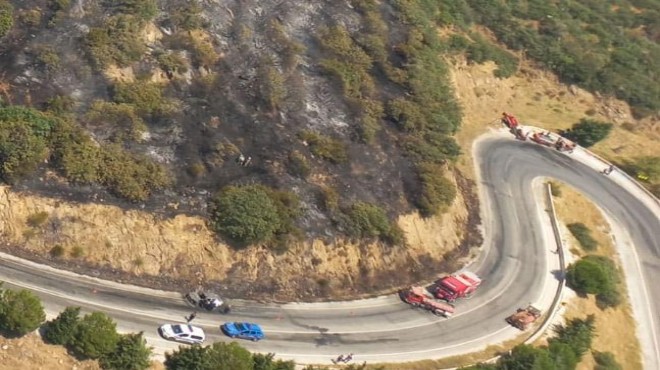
x=343 y=106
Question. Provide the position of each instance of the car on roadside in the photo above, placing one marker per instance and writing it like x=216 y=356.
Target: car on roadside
x=184 y=333
x=243 y=330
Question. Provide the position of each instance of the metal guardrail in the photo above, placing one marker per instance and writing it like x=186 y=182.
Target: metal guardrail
x=562 y=268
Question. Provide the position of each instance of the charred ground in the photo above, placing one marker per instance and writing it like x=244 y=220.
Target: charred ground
x=249 y=81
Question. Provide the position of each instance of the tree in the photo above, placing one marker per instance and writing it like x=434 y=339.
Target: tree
x=230 y=356
x=61 y=329
x=266 y=362
x=563 y=355
x=606 y=361
x=189 y=358
x=21 y=150
x=131 y=353
x=95 y=336
x=219 y=356
x=588 y=132
x=577 y=334
x=245 y=214
x=525 y=357
x=20 y=312
x=587 y=277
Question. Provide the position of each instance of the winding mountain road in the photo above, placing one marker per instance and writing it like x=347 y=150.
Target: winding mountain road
x=516 y=263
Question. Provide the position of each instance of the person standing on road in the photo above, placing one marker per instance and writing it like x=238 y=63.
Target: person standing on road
x=191 y=317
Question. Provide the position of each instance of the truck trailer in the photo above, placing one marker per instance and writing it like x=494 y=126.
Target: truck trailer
x=418 y=297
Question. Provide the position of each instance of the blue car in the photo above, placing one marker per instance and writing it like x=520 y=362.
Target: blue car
x=244 y=330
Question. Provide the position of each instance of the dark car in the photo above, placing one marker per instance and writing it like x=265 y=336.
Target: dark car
x=243 y=330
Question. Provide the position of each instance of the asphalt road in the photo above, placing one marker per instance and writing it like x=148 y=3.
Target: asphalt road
x=513 y=263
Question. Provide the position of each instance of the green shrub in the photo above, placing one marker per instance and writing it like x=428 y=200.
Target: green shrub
x=143 y=9
x=605 y=361
x=583 y=235
x=146 y=97
x=245 y=214
x=219 y=356
x=367 y=220
x=595 y=275
x=271 y=87
x=329 y=198
x=120 y=120
x=131 y=353
x=77 y=251
x=437 y=192
x=266 y=361
x=21 y=149
x=61 y=329
x=95 y=336
x=6 y=17
x=129 y=176
x=48 y=58
x=171 y=62
x=187 y=16
x=298 y=165
x=115 y=42
x=20 y=312
x=325 y=147
x=37 y=219
x=588 y=132
x=57 y=251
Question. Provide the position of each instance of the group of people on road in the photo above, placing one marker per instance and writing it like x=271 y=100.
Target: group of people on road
x=343 y=358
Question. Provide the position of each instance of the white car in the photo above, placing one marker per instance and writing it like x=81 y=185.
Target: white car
x=182 y=333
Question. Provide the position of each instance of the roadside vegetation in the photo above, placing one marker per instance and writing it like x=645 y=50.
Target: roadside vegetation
x=564 y=350
x=596 y=275
x=588 y=132
x=583 y=235
x=223 y=356
x=94 y=336
x=600 y=46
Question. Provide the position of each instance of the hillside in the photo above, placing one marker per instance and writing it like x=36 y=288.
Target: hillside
x=234 y=143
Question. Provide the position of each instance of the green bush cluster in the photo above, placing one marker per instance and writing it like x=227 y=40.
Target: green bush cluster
x=187 y=16
x=120 y=120
x=146 y=97
x=223 y=356
x=21 y=312
x=252 y=214
x=129 y=176
x=271 y=86
x=583 y=235
x=325 y=147
x=143 y=9
x=288 y=50
x=24 y=135
x=596 y=275
x=588 y=132
x=563 y=351
x=94 y=336
x=351 y=65
x=585 y=42
x=116 y=41
x=366 y=220
x=645 y=170
x=6 y=17
x=298 y=165
x=171 y=62
x=437 y=192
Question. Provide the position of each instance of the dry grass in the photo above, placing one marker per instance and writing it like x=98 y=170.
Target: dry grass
x=615 y=328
